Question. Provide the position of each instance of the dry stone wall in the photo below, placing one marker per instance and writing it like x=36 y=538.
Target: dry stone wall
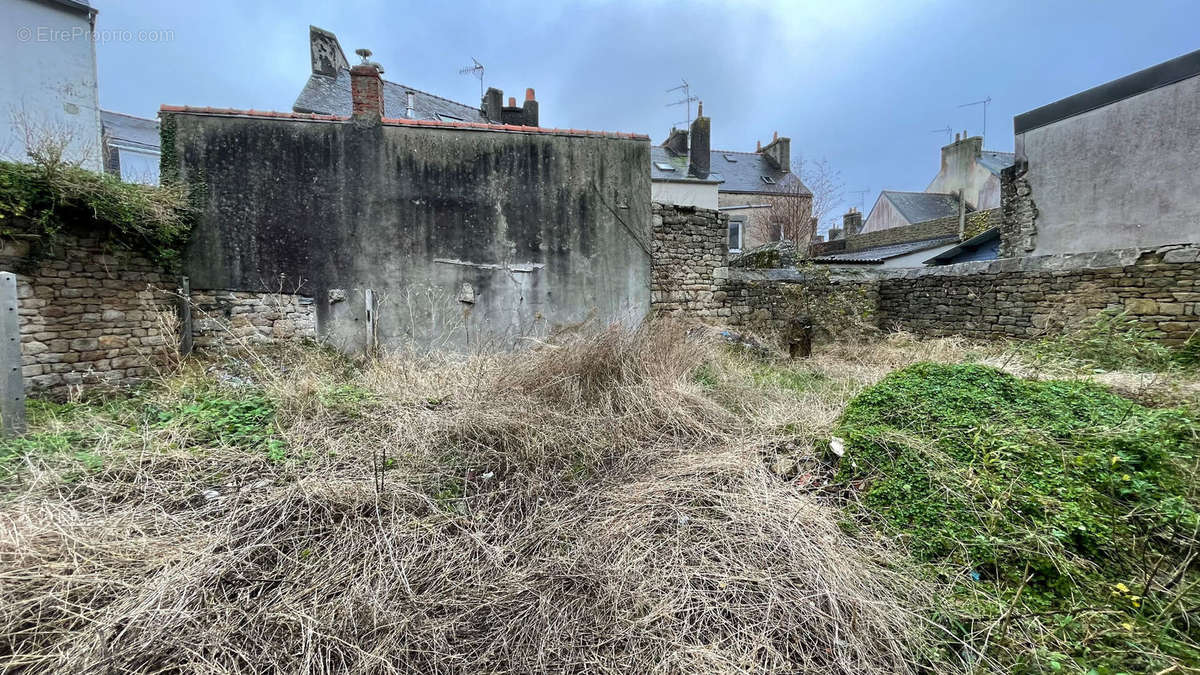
x=690 y=256
x=93 y=316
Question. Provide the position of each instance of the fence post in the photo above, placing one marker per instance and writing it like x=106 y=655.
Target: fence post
x=370 y=302
x=12 y=381
x=185 y=316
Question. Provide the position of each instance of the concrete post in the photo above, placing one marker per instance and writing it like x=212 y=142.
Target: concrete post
x=12 y=382
x=370 y=307
x=185 y=316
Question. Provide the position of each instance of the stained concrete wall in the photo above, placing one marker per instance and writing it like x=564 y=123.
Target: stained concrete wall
x=468 y=238
x=681 y=193
x=960 y=171
x=1122 y=175
x=48 y=79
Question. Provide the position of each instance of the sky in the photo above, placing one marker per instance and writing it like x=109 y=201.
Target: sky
x=862 y=85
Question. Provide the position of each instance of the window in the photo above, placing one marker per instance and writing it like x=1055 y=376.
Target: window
x=735 y=236
x=449 y=118
x=663 y=166
x=768 y=180
x=776 y=229
x=729 y=158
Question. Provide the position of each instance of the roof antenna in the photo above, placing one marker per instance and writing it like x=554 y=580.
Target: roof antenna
x=984 y=103
x=475 y=71
x=862 y=196
x=946 y=131
x=686 y=100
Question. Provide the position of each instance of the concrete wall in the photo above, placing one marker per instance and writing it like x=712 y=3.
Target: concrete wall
x=701 y=195
x=1122 y=175
x=468 y=238
x=48 y=78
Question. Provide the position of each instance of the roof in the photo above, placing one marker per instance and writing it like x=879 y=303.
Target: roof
x=743 y=172
x=137 y=132
x=331 y=96
x=680 y=171
x=918 y=207
x=985 y=237
x=996 y=162
x=402 y=122
x=81 y=6
x=879 y=254
x=1164 y=74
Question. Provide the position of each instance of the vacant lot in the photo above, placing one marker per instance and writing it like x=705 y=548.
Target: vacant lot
x=647 y=501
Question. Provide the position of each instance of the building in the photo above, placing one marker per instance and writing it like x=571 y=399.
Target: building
x=131 y=147
x=764 y=200
x=403 y=232
x=952 y=237
x=327 y=92
x=48 y=82
x=1110 y=167
x=968 y=173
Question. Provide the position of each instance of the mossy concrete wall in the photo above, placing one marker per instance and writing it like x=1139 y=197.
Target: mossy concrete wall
x=467 y=238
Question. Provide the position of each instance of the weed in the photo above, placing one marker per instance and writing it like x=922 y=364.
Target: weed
x=1058 y=513
x=238 y=419
x=1109 y=340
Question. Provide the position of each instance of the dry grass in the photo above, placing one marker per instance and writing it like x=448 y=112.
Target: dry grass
x=582 y=506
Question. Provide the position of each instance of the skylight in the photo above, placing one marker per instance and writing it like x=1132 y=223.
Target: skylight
x=729 y=158
x=768 y=180
x=449 y=118
x=663 y=166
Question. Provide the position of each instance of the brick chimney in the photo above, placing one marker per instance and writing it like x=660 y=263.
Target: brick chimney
x=531 y=108
x=698 y=157
x=852 y=222
x=366 y=92
x=677 y=142
x=779 y=153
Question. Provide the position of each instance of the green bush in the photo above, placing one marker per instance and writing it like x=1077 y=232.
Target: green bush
x=1057 y=502
x=1110 y=340
x=47 y=197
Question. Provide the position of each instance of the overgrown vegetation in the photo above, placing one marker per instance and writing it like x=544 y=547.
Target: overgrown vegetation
x=1062 y=517
x=1109 y=340
x=612 y=501
x=42 y=198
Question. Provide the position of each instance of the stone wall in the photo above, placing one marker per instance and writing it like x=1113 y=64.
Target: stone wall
x=690 y=252
x=91 y=315
x=976 y=222
x=1018 y=227
x=1007 y=298
x=230 y=319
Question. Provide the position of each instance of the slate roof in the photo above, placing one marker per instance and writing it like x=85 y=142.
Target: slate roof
x=402 y=122
x=681 y=172
x=743 y=172
x=136 y=132
x=986 y=237
x=326 y=95
x=879 y=254
x=918 y=207
x=996 y=161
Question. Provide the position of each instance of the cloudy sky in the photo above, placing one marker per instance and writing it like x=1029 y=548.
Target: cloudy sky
x=861 y=84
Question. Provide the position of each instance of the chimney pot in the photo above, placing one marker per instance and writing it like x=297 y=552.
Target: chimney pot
x=512 y=101
x=529 y=94
x=758 y=146
x=700 y=109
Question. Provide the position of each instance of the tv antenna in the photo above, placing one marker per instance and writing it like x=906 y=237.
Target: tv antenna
x=983 y=103
x=474 y=71
x=862 y=198
x=945 y=130
x=686 y=100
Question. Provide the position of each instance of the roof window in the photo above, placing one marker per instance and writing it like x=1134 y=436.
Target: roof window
x=663 y=166
x=729 y=158
x=768 y=180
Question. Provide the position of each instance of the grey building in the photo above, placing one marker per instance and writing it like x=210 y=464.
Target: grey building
x=131 y=147
x=327 y=92
x=1110 y=167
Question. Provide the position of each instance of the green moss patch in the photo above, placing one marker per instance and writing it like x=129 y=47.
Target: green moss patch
x=1063 y=517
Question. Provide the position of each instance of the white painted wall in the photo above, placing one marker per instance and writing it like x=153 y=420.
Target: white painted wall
x=48 y=76
x=883 y=216
x=1121 y=176
x=139 y=167
x=703 y=195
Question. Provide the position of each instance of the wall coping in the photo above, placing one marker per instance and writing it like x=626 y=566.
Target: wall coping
x=1122 y=257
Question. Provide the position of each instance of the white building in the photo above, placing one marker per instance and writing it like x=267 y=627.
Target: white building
x=48 y=80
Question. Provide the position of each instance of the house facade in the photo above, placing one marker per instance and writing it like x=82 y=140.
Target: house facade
x=48 y=82
x=131 y=147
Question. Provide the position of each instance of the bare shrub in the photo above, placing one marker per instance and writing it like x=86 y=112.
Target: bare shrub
x=582 y=507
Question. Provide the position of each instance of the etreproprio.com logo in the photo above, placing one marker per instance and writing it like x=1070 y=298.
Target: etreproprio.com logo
x=75 y=33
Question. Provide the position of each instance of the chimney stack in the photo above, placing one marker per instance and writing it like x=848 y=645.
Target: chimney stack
x=757 y=146
x=698 y=156
x=491 y=105
x=408 y=106
x=852 y=222
x=366 y=90
x=779 y=152
x=531 y=108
